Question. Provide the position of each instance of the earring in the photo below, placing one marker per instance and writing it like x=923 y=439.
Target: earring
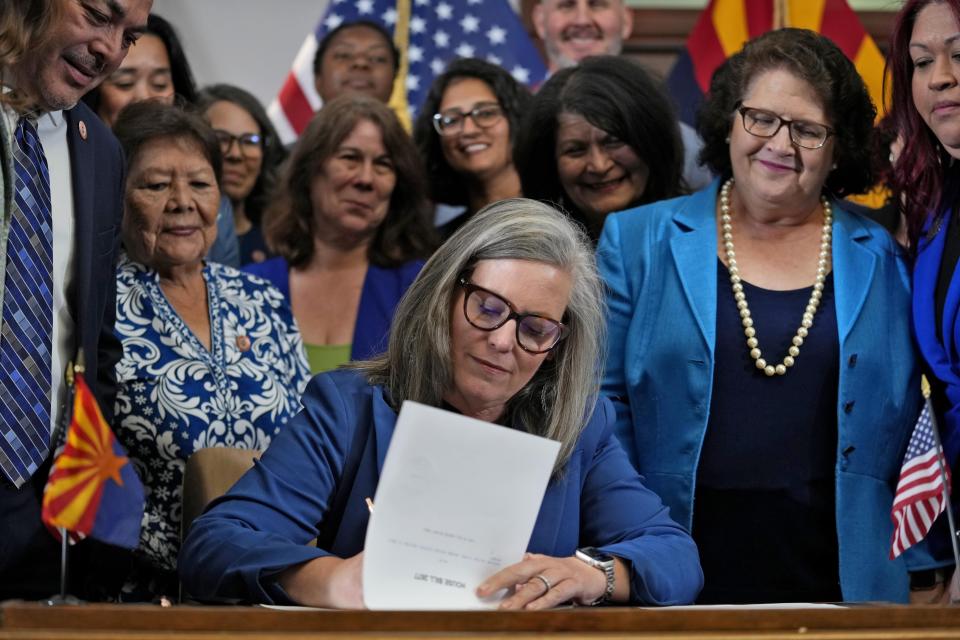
x=727 y=140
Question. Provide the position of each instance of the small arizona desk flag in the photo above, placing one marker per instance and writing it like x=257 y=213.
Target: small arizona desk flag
x=93 y=489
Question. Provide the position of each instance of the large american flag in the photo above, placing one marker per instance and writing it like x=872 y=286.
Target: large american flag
x=921 y=494
x=429 y=33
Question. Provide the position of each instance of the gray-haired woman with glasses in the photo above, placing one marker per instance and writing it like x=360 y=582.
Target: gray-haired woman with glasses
x=465 y=134
x=760 y=338
x=504 y=324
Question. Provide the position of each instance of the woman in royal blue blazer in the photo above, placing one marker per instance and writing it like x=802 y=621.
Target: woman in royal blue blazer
x=926 y=176
x=351 y=227
x=760 y=348
x=504 y=324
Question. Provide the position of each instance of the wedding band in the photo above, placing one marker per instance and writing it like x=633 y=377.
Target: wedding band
x=546 y=583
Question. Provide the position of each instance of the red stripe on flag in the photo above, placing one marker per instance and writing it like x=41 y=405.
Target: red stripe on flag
x=759 y=16
x=840 y=23
x=705 y=49
x=295 y=104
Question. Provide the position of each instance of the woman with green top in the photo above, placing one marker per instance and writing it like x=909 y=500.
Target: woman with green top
x=350 y=226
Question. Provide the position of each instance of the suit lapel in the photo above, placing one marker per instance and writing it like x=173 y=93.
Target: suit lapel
x=694 y=250
x=82 y=165
x=853 y=267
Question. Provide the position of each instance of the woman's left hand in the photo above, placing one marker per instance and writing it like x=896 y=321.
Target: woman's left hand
x=541 y=582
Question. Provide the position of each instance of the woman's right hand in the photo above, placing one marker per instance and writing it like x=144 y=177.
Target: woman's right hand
x=328 y=582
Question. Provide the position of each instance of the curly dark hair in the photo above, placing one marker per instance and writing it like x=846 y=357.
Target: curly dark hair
x=613 y=94
x=274 y=152
x=817 y=61
x=446 y=185
x=184 y=87
x=406 y=233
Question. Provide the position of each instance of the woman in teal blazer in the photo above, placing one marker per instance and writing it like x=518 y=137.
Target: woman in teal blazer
x=791 y=463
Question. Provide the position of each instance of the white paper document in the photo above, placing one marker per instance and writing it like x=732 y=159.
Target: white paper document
x=456 y=502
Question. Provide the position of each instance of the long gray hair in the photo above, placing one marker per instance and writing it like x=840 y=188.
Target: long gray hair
x=559 y=399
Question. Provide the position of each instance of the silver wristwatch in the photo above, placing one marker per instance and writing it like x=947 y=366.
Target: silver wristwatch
x=603 y=561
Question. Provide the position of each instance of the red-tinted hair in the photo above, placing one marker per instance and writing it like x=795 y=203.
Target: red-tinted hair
x=918 y=175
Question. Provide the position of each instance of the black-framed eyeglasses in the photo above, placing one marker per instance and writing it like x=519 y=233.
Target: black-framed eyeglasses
x=766 y=124
x=248 y=143
x=488 y=311
x=484 y=115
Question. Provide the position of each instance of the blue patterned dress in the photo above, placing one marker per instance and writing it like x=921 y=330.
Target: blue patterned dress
x=175 y=396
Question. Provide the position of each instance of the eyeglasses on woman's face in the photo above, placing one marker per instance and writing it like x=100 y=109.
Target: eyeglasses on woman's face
x=488 y=311
x=766 y=124
x=250 y=144
x=451 y=121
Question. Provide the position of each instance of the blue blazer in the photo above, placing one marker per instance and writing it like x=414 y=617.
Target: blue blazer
x=942 y=356
x=98 y=170
x=660 y=262
x=261 y=527
x=382 y=289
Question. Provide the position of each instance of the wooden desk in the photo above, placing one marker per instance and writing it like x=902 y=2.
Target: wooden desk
x=31 y=621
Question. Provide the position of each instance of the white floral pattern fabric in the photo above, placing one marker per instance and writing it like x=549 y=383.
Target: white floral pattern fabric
x=174 y=396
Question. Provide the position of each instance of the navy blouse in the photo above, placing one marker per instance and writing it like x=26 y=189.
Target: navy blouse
x=764 y=520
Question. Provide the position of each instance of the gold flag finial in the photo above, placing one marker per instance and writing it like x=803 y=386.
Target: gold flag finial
x=780 y=14
x=925 y=386
x=78 y=366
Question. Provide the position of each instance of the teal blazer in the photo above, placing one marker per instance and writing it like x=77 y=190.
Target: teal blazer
x=660 y=263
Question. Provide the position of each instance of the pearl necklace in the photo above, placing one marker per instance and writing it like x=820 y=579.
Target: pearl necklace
x=823 y=266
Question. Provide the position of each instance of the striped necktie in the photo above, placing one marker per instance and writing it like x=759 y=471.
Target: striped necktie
x=26 y=326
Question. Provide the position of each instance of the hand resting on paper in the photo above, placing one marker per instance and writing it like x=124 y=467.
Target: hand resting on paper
x=328 y=582
x=570 y=579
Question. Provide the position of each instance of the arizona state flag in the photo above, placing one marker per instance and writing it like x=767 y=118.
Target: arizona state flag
x=725 y=25
x=92 y=489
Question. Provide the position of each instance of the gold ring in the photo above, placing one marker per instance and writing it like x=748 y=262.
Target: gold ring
x=543 y=579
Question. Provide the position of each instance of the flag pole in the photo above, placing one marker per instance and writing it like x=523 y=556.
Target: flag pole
x=70 y=376
x=942 y=465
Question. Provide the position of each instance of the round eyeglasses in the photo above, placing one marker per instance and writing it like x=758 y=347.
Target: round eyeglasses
x=487 y=311
x=249 y=143
x=484 y=115
x=766 y=124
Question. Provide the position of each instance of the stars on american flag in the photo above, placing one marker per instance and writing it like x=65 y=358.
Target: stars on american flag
x=470 y=23
x=332 y=21
x=496 y=35
x=520 y=74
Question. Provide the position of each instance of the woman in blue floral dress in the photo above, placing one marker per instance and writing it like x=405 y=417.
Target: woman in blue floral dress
x=211 y=356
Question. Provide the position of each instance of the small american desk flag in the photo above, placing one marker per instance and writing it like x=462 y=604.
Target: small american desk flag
x=429 y=34
x=921 y=495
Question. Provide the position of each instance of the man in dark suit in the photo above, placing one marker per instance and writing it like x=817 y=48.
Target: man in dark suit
x=62 y=167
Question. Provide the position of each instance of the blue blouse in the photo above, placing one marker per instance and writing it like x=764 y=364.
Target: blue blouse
x=175 y=396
